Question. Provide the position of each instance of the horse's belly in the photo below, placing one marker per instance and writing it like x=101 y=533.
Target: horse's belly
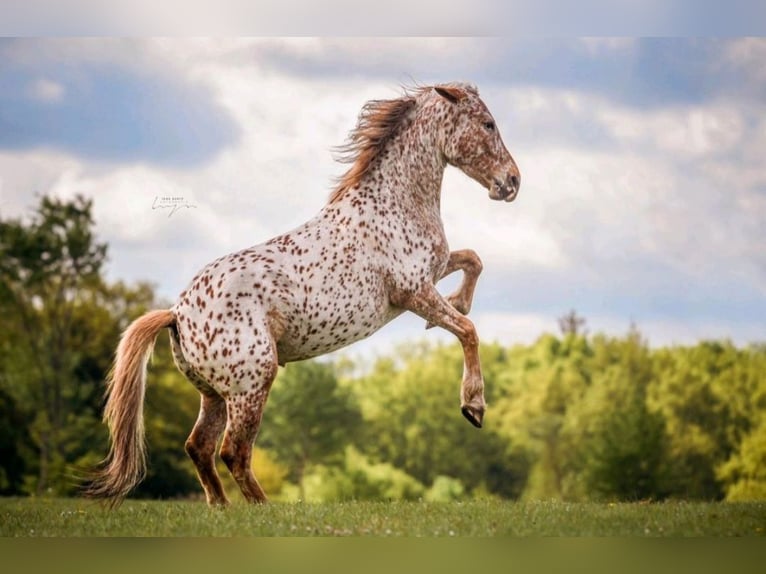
x=326 y=330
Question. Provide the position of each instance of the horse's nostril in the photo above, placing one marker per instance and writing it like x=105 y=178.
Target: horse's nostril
x=515 y=181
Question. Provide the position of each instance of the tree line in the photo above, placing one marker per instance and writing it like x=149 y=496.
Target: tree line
x=574 y=416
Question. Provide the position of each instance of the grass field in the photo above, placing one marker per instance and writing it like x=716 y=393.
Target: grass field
x=74 y=517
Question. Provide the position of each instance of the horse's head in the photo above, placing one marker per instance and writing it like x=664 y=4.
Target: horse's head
x=472 y=142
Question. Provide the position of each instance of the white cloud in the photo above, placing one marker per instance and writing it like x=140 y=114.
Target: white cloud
x=513 y=328
x=47 y=91
x=678 y=186
x=507 y=236
x=22 y=175
x=690 y=132
x=747 y=54
x=377 y=54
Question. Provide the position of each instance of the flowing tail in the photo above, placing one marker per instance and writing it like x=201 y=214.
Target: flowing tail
x=125 y=465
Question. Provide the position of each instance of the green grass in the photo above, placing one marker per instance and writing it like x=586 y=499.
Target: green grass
x=74 y=517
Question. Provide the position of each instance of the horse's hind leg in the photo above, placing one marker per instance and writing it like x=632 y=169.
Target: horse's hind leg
x=245 y=410
x=200 y=446
x=245 y=413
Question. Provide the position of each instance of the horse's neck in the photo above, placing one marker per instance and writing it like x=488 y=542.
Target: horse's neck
x=410 y=175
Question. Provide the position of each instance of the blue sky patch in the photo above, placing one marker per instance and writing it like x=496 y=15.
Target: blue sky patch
x=108 y=113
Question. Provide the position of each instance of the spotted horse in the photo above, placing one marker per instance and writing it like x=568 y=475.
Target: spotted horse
x=375 y=250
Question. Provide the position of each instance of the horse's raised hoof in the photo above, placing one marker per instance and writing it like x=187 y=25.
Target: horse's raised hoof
x=474 y=416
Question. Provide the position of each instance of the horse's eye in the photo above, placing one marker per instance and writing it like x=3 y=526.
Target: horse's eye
x=489 y=126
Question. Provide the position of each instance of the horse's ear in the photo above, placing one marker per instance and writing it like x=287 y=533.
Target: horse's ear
x=451 y=93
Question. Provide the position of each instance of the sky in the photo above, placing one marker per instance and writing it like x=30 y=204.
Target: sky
x=643 y=196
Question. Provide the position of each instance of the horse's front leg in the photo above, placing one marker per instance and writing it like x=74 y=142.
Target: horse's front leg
x=467 y=261
x=431 y=306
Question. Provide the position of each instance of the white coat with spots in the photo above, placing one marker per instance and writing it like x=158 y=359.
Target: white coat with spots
x=375 y=250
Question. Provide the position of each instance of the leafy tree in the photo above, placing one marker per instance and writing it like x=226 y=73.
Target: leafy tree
x=358 y=478
x=622 y=443
x=445 y=489
x=745 y=473
x=62 y=322
x=309 y=418
x=701 y=392
x=46 y=264
x=381 y=481
x=539 y=393
x=414 y=423
x=572 y=324
x=14 y=445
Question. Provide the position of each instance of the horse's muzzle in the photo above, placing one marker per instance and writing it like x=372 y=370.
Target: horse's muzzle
x=505 y=190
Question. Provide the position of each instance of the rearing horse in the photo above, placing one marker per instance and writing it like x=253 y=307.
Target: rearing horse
x=375 y=250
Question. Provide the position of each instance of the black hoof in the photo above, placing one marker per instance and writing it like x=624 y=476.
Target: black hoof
x=475 y=417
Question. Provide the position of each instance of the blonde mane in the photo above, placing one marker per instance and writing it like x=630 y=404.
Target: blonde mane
x=378 y=123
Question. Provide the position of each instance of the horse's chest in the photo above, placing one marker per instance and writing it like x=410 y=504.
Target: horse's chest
x=418 y=256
